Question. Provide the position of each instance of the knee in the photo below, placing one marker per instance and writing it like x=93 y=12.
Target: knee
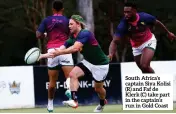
x=72 y=75
x=144 y=66
x=52 y=85
x=98 y=90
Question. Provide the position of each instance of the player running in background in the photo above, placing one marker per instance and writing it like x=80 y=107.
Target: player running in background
x=136 y=26
x=95 y=61
x=56 y=27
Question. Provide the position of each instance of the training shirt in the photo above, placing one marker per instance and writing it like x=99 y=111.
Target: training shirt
x=138 y=31
x=91 y=50
x=57 y=30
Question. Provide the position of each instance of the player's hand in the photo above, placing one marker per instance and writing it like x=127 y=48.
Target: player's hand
x=110 y=57
x=171 y=36
x=54 y=53
x=48 y=55
x=40 y=57
x=45 y=35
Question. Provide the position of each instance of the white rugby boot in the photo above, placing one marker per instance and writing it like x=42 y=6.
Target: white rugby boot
x=71 y=103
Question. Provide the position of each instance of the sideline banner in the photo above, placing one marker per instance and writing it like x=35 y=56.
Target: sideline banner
x=16 y=87
x=86 y=93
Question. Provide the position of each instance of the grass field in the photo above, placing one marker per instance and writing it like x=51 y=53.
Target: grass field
x=81 y=109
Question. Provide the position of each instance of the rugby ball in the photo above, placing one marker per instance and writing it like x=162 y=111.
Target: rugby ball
x=32 y=55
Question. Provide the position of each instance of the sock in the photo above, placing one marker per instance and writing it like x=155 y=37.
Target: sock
x=50 y=104
x=74 y=95
x=102 y=102
x=68 y=94
x=68 y=83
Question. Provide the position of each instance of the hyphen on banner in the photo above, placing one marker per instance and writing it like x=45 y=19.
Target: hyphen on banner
x=147 y=92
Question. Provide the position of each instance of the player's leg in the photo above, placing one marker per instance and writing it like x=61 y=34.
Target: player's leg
x=100 y=90
x=146 y=58
x=137 y=59
x=67 y=70
x=141 y=62
x=137 y=52
x=53 y=72
x=74 y=85
x=147 y=55
x=99 y=74
x=53 y=77
x=67 y=65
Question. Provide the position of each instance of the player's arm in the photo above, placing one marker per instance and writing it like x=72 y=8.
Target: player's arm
x=113 y=47
x=120 y=33
x=170 y=34
x=72 y=49
x=62 y=47
x=157 y=22
x=40 y=33
x=152 y=20
x=68 y=43
x=77 y=46
x=46 y=55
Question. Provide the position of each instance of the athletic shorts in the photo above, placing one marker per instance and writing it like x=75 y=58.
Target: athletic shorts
x=98 y=72
x=63 y=60
x=148 y=44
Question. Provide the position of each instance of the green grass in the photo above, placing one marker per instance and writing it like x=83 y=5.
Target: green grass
x=84 y=109
x=81 y=109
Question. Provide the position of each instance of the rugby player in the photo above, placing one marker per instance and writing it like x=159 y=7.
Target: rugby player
x=137 y=27
x=56 y=27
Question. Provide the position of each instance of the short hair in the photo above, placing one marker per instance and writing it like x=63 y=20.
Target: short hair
x=130 y=4
x=57 y=5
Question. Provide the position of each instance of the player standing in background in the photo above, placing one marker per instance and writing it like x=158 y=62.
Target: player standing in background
x=56 y=27
x=137 y=27
x=95 y=61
